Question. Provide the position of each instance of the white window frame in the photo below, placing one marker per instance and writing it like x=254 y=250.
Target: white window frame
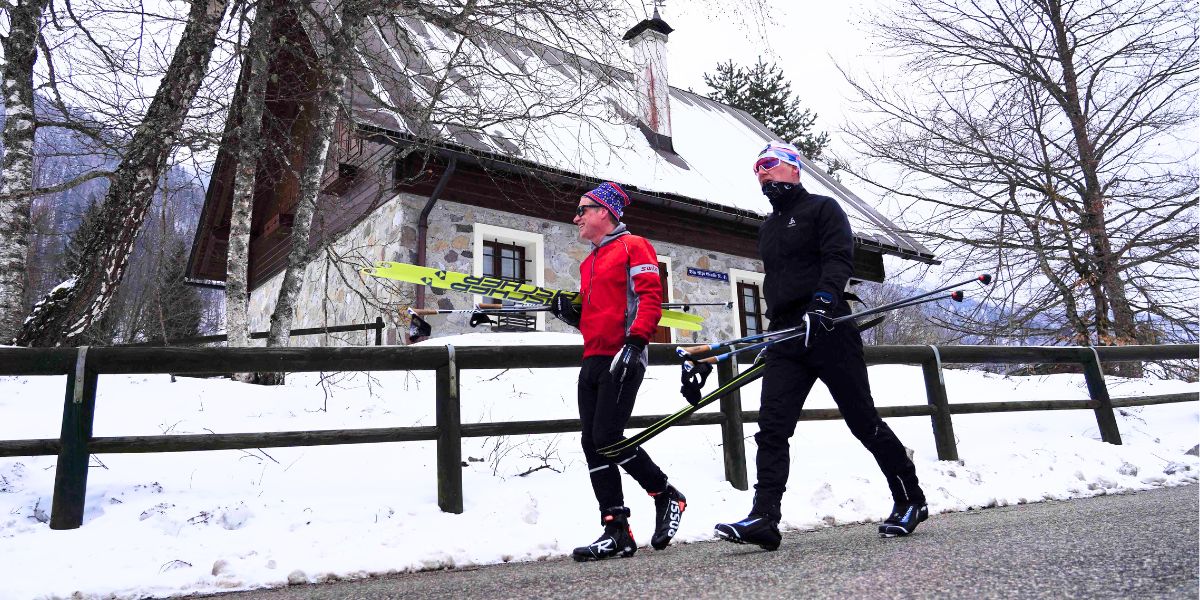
x=739 y=275
x=534 y=243
x=670 y=291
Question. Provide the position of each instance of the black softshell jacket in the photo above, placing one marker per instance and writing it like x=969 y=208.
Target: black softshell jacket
x=806 y=246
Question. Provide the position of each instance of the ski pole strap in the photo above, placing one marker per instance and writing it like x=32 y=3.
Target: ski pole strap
x=418 y=328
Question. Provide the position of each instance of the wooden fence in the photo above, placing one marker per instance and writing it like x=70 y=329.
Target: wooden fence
x=82 y=366
x=378 y=326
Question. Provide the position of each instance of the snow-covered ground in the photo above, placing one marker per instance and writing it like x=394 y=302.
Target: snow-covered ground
x=163 y=524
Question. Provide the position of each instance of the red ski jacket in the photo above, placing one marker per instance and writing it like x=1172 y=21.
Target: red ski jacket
x=621 y=291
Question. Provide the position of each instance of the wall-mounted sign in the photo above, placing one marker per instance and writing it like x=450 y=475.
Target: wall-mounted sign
x=694 y=272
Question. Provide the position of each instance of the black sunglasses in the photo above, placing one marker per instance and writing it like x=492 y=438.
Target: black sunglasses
x=582 y=207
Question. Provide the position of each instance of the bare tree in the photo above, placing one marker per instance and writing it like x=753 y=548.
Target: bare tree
x=257 y=54
x=1042 y=138
x=66 y=312
x=16 y=179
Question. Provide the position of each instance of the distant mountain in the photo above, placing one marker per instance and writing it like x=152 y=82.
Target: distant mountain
x=62 y=155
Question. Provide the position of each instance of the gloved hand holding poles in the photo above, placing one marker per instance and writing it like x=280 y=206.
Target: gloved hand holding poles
x=630 y=354
x=567 y=311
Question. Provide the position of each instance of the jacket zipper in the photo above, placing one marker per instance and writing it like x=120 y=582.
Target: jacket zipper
x=591 y=277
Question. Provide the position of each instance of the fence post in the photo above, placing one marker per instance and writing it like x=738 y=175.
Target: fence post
x=1098 y=391
x=935 y=393
x=70 y=476
x=449 y=442
x=378 y=331
x=732 y=436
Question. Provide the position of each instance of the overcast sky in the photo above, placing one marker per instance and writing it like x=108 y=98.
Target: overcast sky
x=804 y=37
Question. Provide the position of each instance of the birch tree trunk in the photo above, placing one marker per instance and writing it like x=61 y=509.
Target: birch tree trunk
x=65 y=313
x=259 y=50
x=334 y=67
x=16 y=180
x=316 y=150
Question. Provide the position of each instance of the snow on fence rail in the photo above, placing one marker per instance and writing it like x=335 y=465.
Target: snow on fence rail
x=82 y=366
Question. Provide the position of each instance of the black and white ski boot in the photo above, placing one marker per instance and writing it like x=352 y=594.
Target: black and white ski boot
x=615 y=542
x=904 y=519
x=757 y=529
x=668 y=510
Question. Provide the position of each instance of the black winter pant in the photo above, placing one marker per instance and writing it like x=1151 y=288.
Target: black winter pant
x=604 y=409
x=836 y=358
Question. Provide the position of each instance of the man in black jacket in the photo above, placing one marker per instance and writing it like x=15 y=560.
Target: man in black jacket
x=807 y=250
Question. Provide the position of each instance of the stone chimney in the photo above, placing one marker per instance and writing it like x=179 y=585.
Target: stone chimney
x=649 y=42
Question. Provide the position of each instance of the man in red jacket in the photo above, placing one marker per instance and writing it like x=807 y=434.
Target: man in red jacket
x=621 y=296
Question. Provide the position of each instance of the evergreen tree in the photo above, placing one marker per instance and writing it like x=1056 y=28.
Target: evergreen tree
x=764 y=93
x=175 y=310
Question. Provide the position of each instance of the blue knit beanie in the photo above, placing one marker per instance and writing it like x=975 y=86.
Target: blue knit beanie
x=611 y=196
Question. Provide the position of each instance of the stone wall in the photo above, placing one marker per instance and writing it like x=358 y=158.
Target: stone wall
x=334 y=293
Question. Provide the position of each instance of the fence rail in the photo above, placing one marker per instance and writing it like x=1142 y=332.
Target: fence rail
x=82 y=366
x=378 y=326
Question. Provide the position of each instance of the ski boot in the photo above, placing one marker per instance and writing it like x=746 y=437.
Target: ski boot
x=668 y=509
x=758 y=529
x=904 y=519
x=615 y=542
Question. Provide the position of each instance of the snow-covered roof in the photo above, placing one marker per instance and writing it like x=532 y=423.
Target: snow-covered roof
x=595 y=136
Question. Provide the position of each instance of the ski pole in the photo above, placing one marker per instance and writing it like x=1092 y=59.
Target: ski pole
x=956 y=296
x=984 y=279
x=480 y=308
x=800 y=330
x=720 y=357
x=686 y=305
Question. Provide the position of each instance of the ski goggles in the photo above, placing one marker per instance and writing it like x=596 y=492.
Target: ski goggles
x=771 y=157
x=766 y=163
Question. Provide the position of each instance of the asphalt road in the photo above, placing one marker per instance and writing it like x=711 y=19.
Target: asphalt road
x=1142 y=545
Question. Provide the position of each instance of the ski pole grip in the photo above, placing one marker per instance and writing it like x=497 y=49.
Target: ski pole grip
x=424 y=311
x=489 y=305
x=956 y=296
x=985 y=279
x=682 y=351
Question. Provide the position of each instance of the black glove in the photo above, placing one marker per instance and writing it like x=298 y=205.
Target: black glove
x=630 y=354
x=567 y=311
x=818 y=316
x=418 y=329
x=693 y=379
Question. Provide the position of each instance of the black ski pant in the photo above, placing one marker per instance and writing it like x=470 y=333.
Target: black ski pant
x=836 y=358
x=604 y=409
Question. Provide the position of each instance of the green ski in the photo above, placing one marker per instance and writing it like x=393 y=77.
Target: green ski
x=662 y=424
x=496 y=287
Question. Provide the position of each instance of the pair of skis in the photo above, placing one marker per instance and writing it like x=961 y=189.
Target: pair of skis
x=759 y=365
x=507 y=289
x=518 y=307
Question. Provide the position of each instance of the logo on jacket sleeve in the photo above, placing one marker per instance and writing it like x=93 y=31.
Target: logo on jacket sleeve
x=636 y=270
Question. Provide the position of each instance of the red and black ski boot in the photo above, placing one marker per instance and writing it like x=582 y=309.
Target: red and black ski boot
x=615 y=542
